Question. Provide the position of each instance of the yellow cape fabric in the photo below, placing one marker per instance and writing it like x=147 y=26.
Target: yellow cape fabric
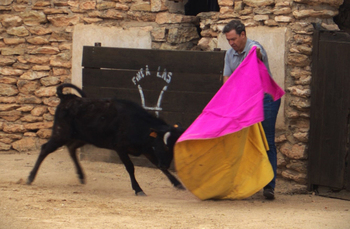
x=234 y=166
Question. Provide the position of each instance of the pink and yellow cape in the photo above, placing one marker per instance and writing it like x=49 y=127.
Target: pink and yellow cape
x=222 y=155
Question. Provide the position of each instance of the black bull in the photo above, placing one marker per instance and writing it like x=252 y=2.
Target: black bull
x=118 y=125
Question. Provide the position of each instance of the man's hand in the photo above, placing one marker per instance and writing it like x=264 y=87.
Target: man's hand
x=258 y=53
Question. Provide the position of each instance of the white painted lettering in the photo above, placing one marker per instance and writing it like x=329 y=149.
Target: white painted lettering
x=133 y=79
x=141 y=74
x=148 y=73
x=168 y=79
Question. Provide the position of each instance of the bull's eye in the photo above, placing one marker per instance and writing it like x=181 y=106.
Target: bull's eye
x=165 y=138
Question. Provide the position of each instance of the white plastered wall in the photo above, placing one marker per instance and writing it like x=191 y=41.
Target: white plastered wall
x=273 y=40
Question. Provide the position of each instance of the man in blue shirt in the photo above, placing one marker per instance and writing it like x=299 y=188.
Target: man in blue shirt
x=240 y=46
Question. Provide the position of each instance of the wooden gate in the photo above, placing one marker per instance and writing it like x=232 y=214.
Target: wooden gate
x=330 y=113
x=175 y=85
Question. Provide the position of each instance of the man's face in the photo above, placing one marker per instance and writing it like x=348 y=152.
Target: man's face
x=237 y=42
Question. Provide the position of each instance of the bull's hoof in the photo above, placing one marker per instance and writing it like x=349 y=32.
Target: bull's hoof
x=141 y=194
x=180 y=187
x=29 y=181
x=82 y=181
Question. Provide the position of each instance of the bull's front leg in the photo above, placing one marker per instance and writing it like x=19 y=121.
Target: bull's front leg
x=171 y=178
x=131 y=170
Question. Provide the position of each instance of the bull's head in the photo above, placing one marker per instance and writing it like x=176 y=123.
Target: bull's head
x=165 y=139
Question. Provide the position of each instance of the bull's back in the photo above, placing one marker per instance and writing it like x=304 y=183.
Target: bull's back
x=108 y=123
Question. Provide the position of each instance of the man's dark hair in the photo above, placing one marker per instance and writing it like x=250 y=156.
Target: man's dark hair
x=234 y=25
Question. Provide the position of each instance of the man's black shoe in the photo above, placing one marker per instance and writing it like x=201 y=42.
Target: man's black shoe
x=269 y=193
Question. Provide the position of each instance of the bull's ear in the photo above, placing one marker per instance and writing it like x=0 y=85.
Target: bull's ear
x=177 y=125
x=153 y=133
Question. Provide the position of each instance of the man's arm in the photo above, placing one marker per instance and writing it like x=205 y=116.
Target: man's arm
x=225 y=79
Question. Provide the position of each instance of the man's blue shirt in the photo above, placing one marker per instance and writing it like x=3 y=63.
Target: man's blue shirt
x=233 y=59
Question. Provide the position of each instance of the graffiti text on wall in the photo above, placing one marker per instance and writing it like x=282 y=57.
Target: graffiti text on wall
x=142 y=74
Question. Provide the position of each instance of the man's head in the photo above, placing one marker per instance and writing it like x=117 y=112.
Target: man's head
x=235 y=35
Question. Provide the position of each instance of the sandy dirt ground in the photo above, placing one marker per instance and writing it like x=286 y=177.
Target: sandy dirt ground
x=56 y=199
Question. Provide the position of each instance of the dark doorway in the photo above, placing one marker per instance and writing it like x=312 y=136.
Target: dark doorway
x=194 y=7
x=343 y=18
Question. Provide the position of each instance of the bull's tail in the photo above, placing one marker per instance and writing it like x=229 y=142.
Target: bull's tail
x=60 y=90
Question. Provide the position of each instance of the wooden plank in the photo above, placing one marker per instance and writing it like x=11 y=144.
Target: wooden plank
x=345 y=107
x=323 y=162
x=103 y=92
x=315 y=118
x=332 y=163
x=129 y=79
x=135 y=59
x=329 y=115
x=334 y=36
x=175 y=106
x=172 y=100
x=183 y=118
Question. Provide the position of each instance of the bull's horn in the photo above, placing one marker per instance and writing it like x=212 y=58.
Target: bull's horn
x=165 y=138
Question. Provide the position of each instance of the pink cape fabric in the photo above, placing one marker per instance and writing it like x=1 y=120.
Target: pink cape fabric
x=238 y=103
x=222 y=155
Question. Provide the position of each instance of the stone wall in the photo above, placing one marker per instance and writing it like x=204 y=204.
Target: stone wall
x=36 y=41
